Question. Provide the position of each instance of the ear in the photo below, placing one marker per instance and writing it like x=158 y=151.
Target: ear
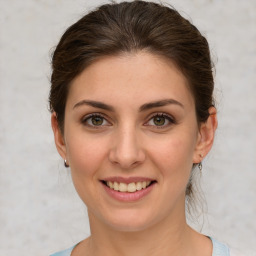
x=206 y=136
x=58 y=136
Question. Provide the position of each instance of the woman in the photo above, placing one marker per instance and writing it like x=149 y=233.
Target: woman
x=133 y=117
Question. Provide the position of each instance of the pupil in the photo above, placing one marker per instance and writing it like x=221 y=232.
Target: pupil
x=159 y=120
x=97 y=120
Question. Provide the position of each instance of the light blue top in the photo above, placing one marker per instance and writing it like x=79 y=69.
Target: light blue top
x=66 y=252
x=219 y=249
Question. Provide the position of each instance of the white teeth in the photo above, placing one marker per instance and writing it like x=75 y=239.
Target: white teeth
x=122 y=187
x=110 y=184
x=116 y=186
x=139 y=186
x=131 y=187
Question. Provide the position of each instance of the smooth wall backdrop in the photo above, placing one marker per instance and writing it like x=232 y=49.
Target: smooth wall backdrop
x=39 y=210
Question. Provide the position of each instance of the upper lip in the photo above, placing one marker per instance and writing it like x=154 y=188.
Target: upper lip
x=127 y=180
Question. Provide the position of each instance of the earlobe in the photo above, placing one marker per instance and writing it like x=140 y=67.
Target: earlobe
x=206 y=136
x=58 y=136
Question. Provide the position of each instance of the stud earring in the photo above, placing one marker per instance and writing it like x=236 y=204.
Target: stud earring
x=65 y=163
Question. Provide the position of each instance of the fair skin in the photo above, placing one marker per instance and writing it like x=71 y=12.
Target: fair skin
x=143 y=125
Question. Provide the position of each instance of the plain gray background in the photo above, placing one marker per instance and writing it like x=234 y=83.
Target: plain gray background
x=40 y=212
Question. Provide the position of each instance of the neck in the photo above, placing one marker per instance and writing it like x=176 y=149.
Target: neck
x=155 y=240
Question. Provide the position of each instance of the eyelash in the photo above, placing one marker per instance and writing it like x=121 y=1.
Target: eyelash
x=167 y=117
x=88 y=117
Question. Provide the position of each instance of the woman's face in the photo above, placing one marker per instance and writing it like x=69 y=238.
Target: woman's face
x=131 y=120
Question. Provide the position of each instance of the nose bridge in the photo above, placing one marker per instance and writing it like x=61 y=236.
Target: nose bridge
x=126 y=150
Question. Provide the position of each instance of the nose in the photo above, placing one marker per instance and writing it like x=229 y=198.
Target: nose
x=126 y=150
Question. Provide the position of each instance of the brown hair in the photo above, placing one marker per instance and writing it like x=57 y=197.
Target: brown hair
x=118 y=28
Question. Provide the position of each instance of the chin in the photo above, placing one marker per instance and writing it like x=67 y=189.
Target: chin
x=130 y=221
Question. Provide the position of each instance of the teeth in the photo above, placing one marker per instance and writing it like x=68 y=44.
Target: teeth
x=131 y=187
x=139 y=186
x=116 y=186
x=122 y=187
x=110 y=184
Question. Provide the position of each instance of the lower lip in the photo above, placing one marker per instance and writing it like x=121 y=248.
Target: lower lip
x=128 y=196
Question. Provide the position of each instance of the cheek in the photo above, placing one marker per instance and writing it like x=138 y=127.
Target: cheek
x=176 y=150
x=86 y=155
x=174 y=156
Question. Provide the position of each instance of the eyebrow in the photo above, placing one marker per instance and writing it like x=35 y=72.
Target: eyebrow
x=144 y=107
x=95 y=104
x=160 y=103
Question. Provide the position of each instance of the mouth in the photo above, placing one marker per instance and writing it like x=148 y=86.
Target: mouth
x=128 y=187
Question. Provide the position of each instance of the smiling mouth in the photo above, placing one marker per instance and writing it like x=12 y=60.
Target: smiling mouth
x=130 y=187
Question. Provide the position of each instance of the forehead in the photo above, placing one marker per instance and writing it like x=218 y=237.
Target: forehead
x=131 y=78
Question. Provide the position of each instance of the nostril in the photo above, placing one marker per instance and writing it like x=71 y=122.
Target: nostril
x=126 y=154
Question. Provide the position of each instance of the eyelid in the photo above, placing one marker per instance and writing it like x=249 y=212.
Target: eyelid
x=169 y=117
x=95 y=114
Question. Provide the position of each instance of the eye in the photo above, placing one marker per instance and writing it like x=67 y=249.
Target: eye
x=95 y=120
x=160 y=120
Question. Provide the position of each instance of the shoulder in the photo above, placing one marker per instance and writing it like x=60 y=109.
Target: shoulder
x=66 y=252
x=220 y=249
